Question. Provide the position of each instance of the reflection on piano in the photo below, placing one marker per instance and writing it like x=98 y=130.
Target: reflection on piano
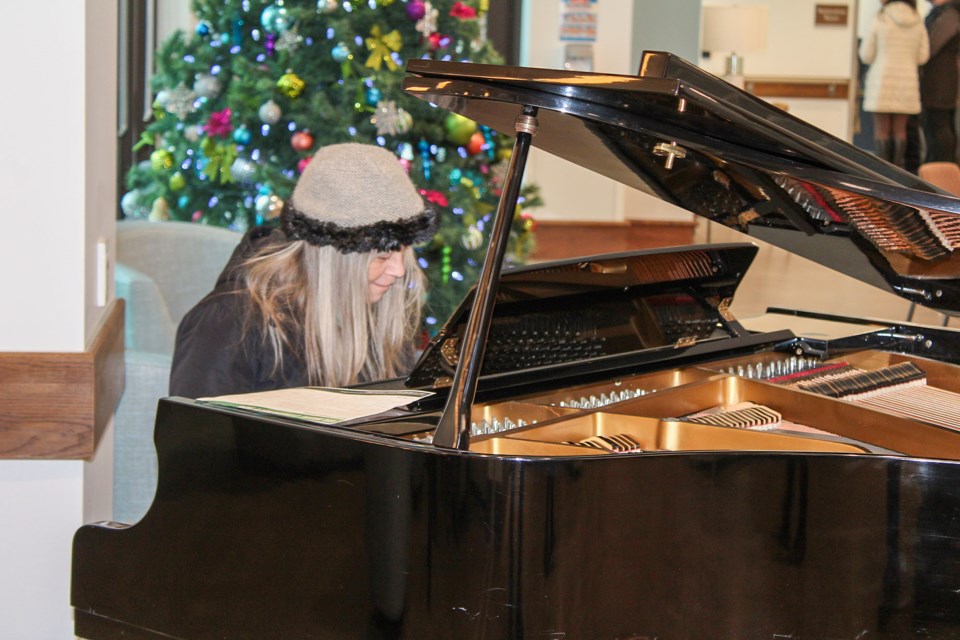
x=609 y=453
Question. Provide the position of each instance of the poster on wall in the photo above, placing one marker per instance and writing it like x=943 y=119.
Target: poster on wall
x=578 y=21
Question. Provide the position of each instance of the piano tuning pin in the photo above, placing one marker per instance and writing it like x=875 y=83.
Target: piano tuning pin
x=496 y=425
x=740 y=371
x=508 y=424
x=521 y=423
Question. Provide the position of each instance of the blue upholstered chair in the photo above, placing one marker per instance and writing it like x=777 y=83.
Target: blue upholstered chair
x=162 y=270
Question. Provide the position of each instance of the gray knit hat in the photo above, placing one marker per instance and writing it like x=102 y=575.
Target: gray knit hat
x=357 y=198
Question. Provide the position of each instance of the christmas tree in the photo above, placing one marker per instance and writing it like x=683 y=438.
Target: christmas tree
x=244 y=102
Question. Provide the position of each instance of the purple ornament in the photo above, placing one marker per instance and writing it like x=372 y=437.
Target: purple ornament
x=270 y=44
x=416 y=9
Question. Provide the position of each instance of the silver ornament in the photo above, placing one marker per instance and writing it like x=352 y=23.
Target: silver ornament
x=270 y=112
x=207 y=86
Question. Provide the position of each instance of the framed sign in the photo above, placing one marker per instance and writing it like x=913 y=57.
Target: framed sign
x=832 y=15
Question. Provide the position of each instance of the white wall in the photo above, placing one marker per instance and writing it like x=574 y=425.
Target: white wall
x=57 y=177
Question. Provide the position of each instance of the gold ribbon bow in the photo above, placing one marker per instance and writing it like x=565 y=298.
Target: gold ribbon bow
x=381 y=46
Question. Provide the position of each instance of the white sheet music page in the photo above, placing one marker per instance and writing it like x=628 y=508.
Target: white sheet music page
x=323 y=405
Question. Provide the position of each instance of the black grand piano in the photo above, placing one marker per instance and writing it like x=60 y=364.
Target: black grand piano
x=608 y=453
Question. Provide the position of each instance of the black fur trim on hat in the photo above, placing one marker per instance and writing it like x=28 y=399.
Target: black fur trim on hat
x=379 y=236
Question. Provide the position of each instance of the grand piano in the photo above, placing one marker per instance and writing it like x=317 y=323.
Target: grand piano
x=607 y=453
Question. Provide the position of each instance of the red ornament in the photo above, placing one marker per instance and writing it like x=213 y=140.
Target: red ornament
x=438 y=41
x=301 y=141
x=302 y=164
x=477 y=141
x=463 y=11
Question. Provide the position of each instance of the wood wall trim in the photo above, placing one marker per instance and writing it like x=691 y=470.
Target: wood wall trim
x=561 y=239
x=837 y=89
x=55 y=406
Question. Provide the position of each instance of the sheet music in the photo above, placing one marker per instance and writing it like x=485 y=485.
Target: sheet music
x=323 y=405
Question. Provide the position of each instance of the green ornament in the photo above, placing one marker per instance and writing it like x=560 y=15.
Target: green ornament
x=161 y=160
x=177 y=181
x=291 y=85
x=459 y=128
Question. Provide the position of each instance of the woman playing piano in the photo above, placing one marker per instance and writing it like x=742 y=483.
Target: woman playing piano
x=331 y=298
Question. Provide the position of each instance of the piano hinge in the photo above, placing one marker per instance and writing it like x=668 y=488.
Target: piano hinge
x=685 y=341
x=450 y=350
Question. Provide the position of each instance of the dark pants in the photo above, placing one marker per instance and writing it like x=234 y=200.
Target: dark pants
x=941 y=135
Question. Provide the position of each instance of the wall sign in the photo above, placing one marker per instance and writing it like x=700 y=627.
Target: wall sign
x=835 y=15
x=578 y=21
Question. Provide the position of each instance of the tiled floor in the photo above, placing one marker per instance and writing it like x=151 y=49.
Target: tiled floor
x=781 y=279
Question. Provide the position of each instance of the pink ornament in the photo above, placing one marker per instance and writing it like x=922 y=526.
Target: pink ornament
x=405 y=164
x=303 y=163
x=416 y=10
x=196 y=216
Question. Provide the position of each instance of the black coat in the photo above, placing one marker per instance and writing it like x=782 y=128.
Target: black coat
x=216 y=354
x=939 y=77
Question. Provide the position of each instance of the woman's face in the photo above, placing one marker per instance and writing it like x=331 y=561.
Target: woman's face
x=384 y=269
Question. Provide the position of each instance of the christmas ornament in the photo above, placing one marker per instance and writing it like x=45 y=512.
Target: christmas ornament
x=269 y=112
x=191 y=133
x=373 y=96
x=416 y=9
x=181 y=101
x=268 y=205
x=160 y=211
x=302 y=163
x=428 y=23
x=301 y=141
x=327 y=6
x=275 y=19
x=131 y=206
x=341 y=53
x=161 y=160
x=382 y=47
x=458 y=128
x=472 y=239
x=162 y=99
x=438 y=41
x=197 y=216
x=476 y=143
x=463 y=11
x=243 y=170
x=424 y=147
x=207 y=86
x=390 y=120
x=177 y=181
x=289 y=41
x=242 y=135
x=218 y=125
x=203 y=28
x=291 y=85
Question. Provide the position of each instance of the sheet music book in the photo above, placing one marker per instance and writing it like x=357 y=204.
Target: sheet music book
x=322 y=405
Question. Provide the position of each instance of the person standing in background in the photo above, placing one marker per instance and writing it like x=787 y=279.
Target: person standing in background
x=939 y=81
x=895 y=47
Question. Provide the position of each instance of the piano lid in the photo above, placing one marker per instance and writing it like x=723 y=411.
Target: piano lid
x=687 y=137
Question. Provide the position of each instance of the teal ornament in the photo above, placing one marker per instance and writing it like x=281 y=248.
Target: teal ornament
x=182 y=202
x=242 y=135
x=237 y=30
x=340 y=53
x=243 y=170
x=455 y=176
x=275 y=19
x=203 y=28
x=373 y=96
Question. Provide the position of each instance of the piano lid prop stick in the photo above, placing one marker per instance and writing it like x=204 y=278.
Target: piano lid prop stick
x=453 y=430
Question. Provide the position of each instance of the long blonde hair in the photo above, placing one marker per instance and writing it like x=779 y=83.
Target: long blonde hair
x=314 y=301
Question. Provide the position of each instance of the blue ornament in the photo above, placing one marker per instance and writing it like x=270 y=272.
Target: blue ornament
x=455 y=176
x=203 y=28
x=242 y=135
x=340 y=53
x=182 y=202
x=373 y=96
x=275 y=19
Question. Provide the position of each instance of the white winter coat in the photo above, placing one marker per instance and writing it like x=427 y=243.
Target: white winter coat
x=895 y=47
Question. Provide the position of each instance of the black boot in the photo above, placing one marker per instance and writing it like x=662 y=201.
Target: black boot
x=883 y=147
x=899 y=152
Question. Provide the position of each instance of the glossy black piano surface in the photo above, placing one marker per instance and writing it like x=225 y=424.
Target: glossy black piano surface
x=635 y=462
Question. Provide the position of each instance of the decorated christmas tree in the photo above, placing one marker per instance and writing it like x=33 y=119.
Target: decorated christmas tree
x=244 y=102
